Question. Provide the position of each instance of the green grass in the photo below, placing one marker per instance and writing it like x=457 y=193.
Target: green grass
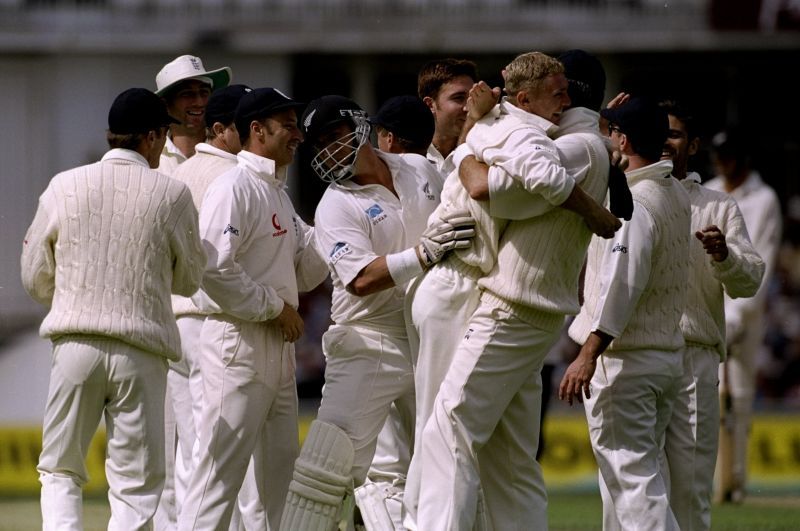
x=568 y=512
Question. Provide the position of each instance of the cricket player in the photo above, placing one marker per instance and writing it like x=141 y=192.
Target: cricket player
x=492 y=387
x=212 y=158
x=744 y=317
x=404 y=125
x=260 y=255
x=185 y=86
x=635 y=294
x=371 y=225
x=723 y=262
x=110 y=241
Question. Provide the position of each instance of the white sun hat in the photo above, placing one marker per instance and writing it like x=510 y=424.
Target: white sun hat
x=190 y=67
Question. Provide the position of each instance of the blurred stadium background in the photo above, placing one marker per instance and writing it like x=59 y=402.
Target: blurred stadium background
x=63 y=61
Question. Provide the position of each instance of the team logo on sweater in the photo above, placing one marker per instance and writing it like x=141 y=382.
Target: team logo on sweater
x=340 y=249
x=230 y=228
x=279 y=231
x=620 y=248
x=375 y=214
x=427 y=191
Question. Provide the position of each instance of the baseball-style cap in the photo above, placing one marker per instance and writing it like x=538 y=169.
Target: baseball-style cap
x=260 y=103
x=407 y=117
x=138 y=110
x=325 y=112
x=190 y=67
x=221 y=106
x=644 y=123
x=587 y=79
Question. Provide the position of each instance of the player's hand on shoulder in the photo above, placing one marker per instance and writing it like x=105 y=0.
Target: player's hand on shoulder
x=453 y=231
x=291 y=323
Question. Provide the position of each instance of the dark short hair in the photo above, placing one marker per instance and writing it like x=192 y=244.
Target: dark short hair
x=434 y=74
x=681 y=112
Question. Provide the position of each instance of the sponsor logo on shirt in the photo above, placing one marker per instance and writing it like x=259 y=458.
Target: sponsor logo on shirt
x=621 y=248
x=230 y=228
x=469 y=333
x=340 y=249
x=427 y=191
x=375 y=214
x=279 y=231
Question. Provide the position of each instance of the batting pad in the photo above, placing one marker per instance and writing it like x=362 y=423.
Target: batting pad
x=371 y=502
x=321 y=479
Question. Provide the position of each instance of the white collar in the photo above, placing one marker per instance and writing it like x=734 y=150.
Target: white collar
x=262 y=167
x=208 y=149
x=505 y=106
x=577 y=120
x=127 y=155
x=657 y=170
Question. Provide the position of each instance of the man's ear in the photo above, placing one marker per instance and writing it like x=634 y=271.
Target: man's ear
x=218 y=128
x=694 y=146
x=429 y=102
x=256 y=129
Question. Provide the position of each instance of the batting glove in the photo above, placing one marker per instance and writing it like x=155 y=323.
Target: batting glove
x=454 y=231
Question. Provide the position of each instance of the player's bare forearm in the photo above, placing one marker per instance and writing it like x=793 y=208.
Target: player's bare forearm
x=599 y=220
x=474 y=176
x=578 y=376
x=480 y=101
x=373 y=278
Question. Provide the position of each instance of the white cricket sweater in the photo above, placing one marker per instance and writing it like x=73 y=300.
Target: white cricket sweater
x=739 y=275
x=198 y=172
x=636 y=283
x=761 y=211
x=110 y=241
x=540 y=258
x=259 y=251
x=509 y=139
x=170 y=158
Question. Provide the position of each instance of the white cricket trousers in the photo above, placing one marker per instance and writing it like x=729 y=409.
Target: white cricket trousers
x=691 y=439
x=742 y=370
x=632 y=397
x=492 y=390
x=184 y=395
x=93 y=377
x=438 y=309
x=249 y=411
x=366 y=371
x=185 y=406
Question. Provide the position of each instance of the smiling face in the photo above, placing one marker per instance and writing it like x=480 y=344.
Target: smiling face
x=550 y=100
x=448 y=107
x=187 y=104
x=279 y=137
x=678 y=147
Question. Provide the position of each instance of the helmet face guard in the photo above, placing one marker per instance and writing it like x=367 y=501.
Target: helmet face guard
x=335 y=162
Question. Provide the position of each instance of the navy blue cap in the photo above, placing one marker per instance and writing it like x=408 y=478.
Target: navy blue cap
x=222 y=104
x=408 y=118
x=138 y=110
x=644 y=122
x=260 y=103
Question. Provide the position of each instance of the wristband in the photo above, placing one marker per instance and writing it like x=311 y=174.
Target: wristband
x=403 y=266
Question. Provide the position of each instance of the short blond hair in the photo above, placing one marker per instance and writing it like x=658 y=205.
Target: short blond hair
x=529 y=70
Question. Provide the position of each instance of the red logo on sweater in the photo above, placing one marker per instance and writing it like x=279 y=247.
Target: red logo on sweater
x=279 y=231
